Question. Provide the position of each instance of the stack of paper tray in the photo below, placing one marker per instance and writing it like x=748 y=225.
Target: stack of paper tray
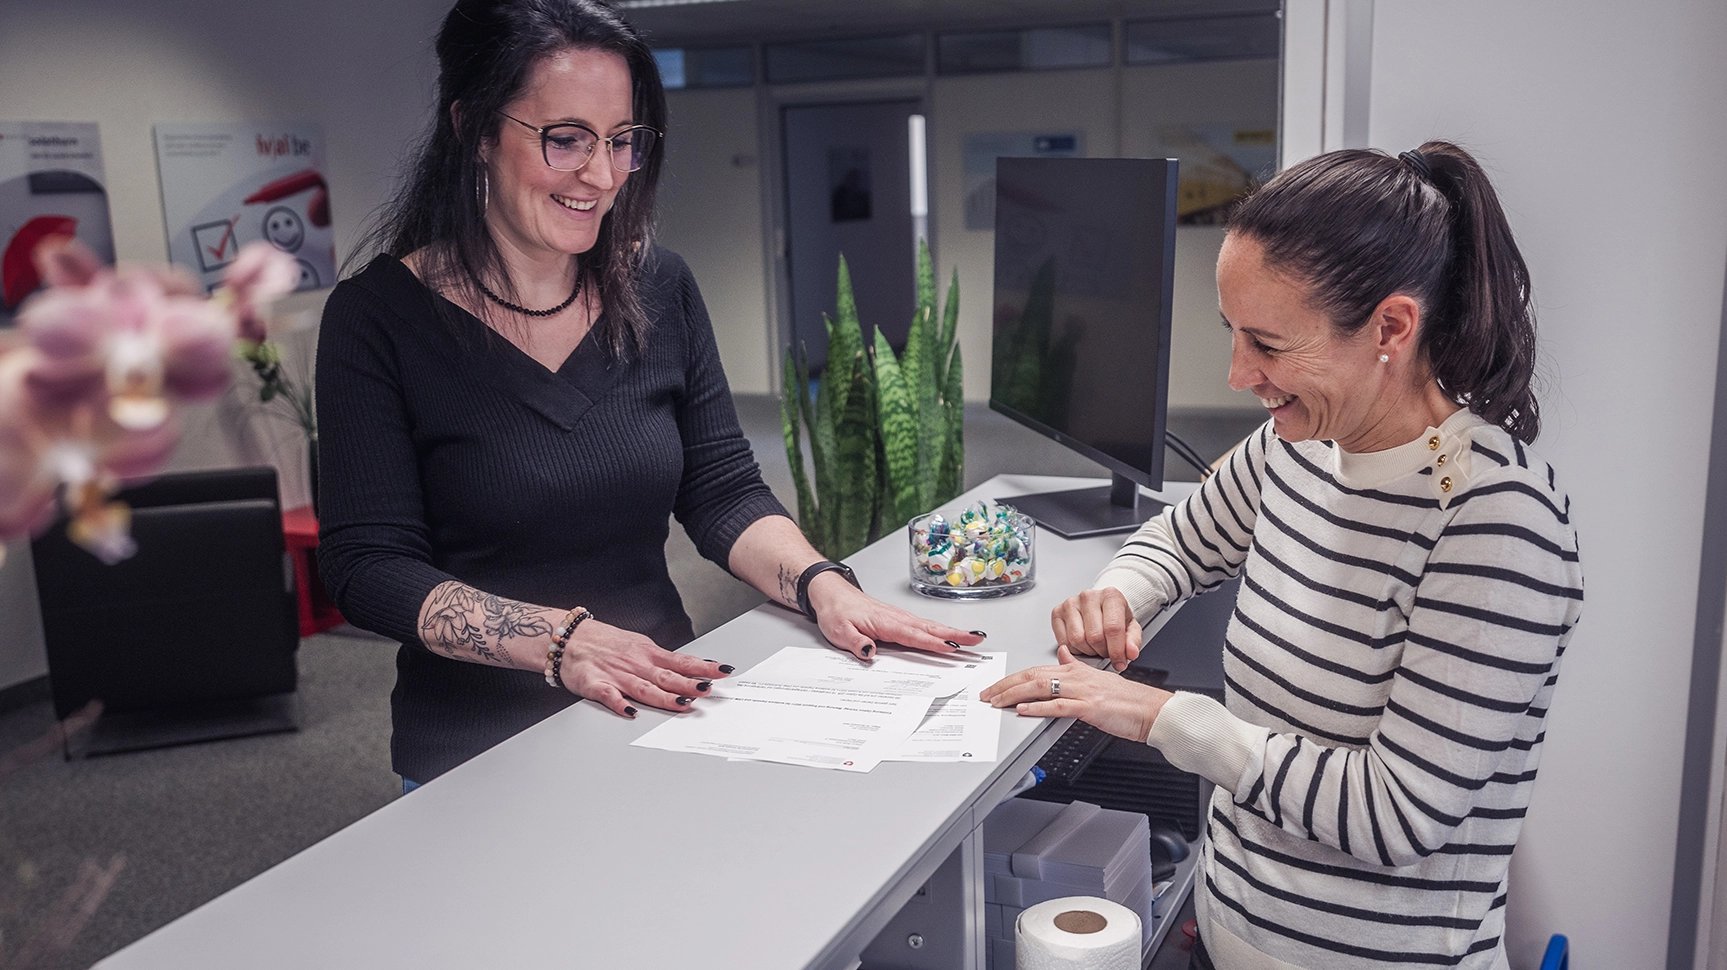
x=1037 y=851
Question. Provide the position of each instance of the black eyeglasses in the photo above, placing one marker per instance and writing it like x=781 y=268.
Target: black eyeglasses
x=567 y=146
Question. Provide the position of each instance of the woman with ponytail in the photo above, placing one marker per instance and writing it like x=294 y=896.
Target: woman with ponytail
x=1410 y=578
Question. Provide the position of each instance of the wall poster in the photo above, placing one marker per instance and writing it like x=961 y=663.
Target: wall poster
x=51 y=184
x=228 y=184
x=1219 y=165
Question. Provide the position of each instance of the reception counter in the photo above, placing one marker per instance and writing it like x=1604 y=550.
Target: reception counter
x=566 y=847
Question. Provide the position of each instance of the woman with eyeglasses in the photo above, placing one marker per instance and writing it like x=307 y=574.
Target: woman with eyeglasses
x=521 y=388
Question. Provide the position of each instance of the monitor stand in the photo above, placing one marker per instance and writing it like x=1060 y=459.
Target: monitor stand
x=1081 y=512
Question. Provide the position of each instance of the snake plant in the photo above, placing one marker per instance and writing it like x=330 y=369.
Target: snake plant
x=885 y=433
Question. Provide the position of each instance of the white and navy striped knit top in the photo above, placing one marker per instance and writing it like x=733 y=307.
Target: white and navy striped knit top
x=1388 y=671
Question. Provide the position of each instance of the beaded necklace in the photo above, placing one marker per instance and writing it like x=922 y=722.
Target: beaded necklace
x=518 y=308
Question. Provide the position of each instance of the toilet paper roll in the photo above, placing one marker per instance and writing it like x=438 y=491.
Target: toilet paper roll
x=1077 y=933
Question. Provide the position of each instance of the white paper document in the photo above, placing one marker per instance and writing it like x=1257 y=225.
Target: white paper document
x=909 y=672
x=960 y=727
x=818 y=707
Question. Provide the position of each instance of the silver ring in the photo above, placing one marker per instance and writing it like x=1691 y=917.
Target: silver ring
x=1055 y=687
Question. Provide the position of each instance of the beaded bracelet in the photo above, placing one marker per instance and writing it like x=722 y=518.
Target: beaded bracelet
x=560 y=640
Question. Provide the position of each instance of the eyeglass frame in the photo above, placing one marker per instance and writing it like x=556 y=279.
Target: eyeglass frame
x=545 y=155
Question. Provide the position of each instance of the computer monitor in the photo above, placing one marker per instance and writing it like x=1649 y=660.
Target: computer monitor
x=1084 y=267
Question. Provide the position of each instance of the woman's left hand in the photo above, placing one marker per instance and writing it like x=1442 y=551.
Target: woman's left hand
x=856 y=622
x=1102 y=698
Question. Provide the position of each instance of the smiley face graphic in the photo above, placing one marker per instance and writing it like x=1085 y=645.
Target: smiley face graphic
x=308 y=276
x=284 y=228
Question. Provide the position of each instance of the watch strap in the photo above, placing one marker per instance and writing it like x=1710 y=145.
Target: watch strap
x=816 y=569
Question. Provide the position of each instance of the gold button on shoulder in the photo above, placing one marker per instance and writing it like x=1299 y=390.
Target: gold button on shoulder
x=1433 y=443
x=1440 y=461
x=1445 y=484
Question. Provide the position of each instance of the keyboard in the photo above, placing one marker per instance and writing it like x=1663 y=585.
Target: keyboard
x=1079 y=746
x=1088 y=765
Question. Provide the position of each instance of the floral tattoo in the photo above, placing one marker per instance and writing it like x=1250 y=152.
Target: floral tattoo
x=462 y=622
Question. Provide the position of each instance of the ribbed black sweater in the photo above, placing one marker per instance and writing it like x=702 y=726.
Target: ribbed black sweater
x=446 y=452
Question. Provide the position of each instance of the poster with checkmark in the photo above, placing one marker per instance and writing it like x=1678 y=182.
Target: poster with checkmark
x=227 y=184
x=51 y=184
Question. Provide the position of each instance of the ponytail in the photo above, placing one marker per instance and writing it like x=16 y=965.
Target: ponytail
x=1483 y=353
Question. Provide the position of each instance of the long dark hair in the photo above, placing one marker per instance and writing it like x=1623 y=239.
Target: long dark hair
x=1357 y=226
x=486 y=49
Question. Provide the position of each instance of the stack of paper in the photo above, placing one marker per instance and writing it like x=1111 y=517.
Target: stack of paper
x=819 y=707
x=1037 y=851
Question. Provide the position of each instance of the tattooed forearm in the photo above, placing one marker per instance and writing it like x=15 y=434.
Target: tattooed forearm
x=446 y=620
x=464 y=623
x=788 y=586
x=508 y=618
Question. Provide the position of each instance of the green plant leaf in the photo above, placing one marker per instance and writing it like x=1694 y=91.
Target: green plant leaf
x=951 y=477
x=829 y=402
x=856 y=476
x=794 y=403
x=845 y=338
x=949 y=334
x=898 y=431
x=919 y=368
x=925 y=278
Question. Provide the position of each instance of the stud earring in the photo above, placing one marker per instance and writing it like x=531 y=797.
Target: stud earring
x=1385 y=358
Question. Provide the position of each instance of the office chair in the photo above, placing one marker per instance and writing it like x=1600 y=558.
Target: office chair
x=191 y=639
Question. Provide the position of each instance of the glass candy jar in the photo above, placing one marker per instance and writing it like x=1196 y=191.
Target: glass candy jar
x=979 y=551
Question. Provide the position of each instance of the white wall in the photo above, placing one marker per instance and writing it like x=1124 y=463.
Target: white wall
x=710 y=211
x=363 y=71
x=711 y=214
x=1601 y=122
x=1234 y=95
x=1112 y=122
x=1046 y=101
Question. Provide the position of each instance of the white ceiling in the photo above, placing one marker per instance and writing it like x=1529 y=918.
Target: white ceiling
x=692 y=24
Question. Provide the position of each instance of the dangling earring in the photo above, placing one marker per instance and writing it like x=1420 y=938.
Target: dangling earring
x=1385 y=358
x=483 y=191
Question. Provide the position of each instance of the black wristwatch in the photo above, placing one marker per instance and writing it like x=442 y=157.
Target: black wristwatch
x=816 y=569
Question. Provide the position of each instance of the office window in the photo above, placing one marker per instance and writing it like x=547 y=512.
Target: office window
x=1034 y=49
x=706 y=67
x=1204 y=38
x=898 y=55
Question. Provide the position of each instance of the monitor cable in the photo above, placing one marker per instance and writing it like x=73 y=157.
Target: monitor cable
x=1186 y=453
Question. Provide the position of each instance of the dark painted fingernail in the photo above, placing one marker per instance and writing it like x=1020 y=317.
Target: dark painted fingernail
x=979 y=633
x=630 y=711
x=704 y=685
x=951 y=644
x=868 y=649
x=726 y=668
x=685 y=700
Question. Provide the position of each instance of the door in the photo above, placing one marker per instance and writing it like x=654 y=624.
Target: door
x=848 y=190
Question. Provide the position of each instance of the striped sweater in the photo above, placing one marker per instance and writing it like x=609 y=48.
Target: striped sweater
x=1388 y=670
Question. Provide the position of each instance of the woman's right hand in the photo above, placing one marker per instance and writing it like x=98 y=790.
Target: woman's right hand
x=613 y=667
x=1100 y=623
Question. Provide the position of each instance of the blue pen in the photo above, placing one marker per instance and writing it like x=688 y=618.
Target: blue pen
x=1032 y=777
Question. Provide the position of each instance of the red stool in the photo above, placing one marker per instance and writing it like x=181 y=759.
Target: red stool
x=300 y=536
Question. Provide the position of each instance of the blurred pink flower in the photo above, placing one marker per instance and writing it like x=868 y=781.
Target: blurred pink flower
x=144 y=333
x=87 y=397
x=258 y=275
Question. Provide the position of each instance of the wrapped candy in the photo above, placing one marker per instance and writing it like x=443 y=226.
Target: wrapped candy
x=982 y=550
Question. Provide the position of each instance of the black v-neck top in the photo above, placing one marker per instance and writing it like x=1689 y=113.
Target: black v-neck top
x=445 y=452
